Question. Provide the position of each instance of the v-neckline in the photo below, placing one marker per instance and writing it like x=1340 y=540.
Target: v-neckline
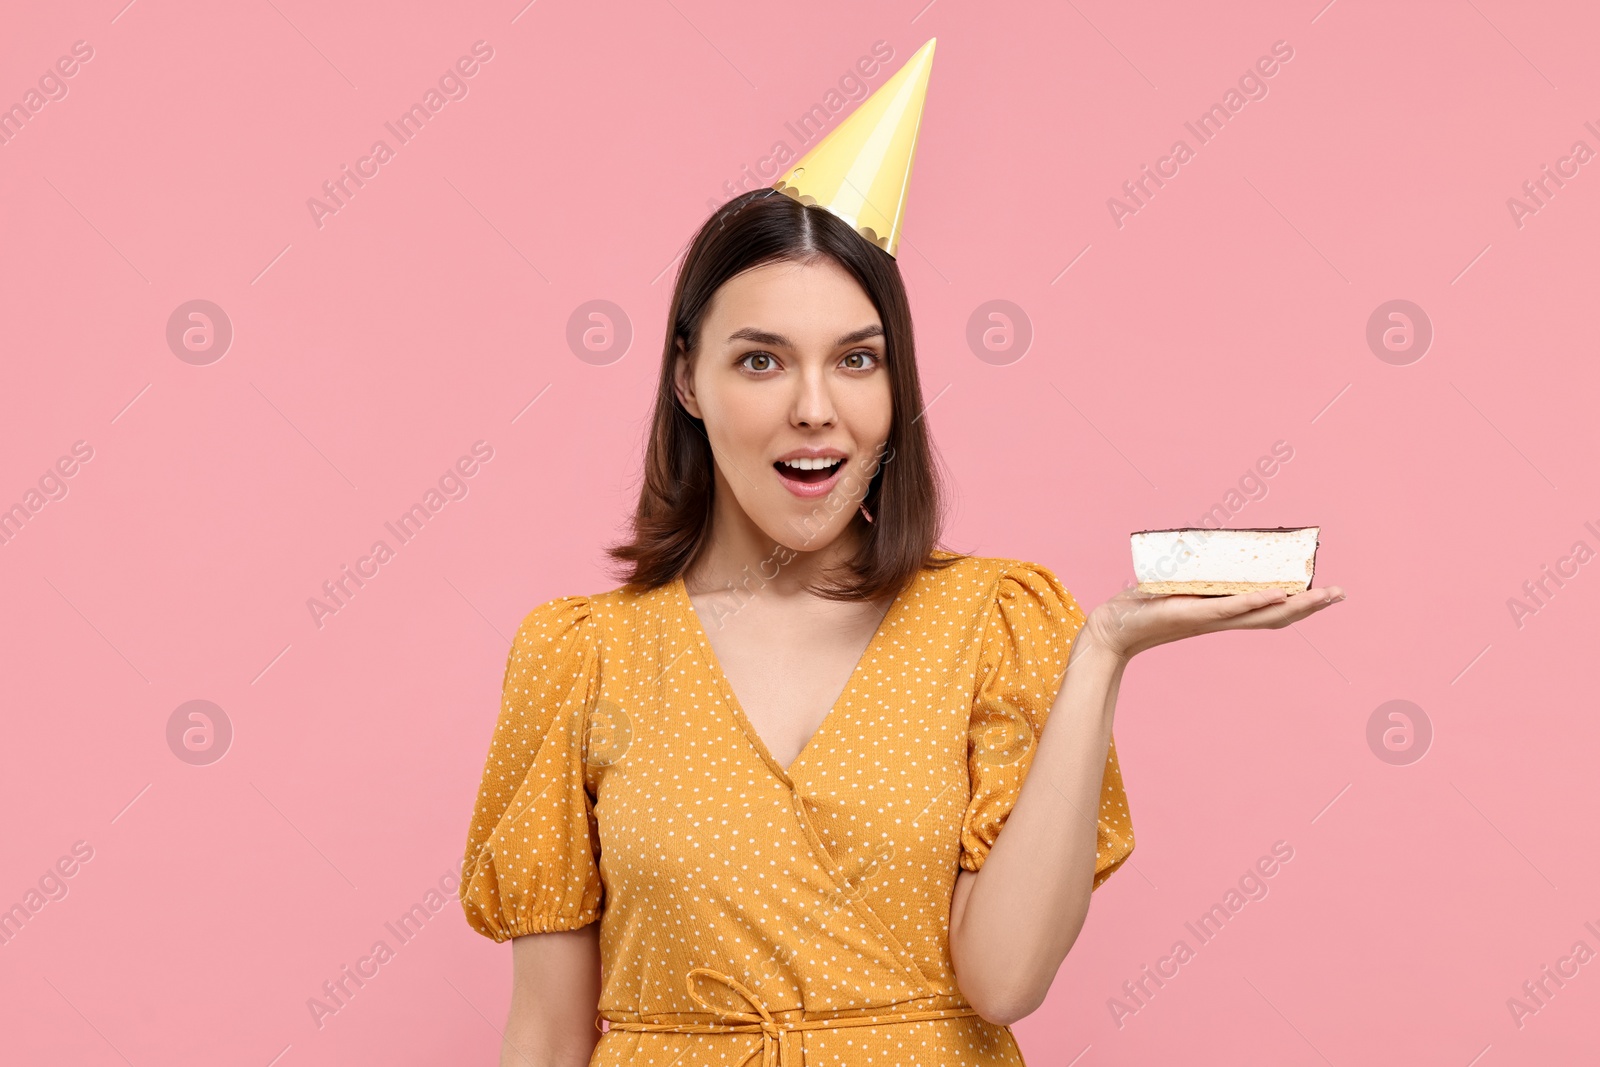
x=714 y=666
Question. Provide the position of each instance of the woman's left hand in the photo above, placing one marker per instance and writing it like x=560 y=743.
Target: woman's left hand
x=1132 y=622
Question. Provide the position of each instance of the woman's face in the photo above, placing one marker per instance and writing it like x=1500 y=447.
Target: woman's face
x=791 y=384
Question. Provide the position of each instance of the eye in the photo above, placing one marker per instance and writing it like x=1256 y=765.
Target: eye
x=863 y=354
x=768 y=362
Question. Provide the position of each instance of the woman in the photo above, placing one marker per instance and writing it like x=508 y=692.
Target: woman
x=770 y=818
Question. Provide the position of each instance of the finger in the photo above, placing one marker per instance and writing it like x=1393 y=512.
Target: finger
x=1231 y=607
x=1291 y=610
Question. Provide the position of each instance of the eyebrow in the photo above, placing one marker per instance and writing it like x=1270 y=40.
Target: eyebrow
x=763 y=337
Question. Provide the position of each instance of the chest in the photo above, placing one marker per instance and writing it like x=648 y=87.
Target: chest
x=788 y=665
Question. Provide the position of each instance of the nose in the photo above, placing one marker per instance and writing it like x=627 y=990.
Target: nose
x=813 y=402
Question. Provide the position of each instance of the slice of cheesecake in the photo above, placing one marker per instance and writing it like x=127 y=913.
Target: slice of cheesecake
x=1224 y=562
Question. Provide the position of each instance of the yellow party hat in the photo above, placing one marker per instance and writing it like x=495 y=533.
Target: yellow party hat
x=860 y=170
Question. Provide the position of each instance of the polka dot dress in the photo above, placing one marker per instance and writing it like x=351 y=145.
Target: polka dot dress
x=750 y=913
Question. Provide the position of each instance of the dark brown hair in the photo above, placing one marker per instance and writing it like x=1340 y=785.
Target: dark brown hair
x=672 y=522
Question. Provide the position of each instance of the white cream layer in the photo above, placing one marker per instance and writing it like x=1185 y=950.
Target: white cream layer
x=1224 y=555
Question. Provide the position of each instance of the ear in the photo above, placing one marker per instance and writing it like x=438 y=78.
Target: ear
x=683 y=381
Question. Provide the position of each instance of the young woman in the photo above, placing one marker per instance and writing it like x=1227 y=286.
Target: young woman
x=748 y=807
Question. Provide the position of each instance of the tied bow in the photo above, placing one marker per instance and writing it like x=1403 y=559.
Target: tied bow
x=779 y=1045
x=780 y=1039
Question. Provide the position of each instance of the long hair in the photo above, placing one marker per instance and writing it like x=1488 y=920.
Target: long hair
x=672 y=522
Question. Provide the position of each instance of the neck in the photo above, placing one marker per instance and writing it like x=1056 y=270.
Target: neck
x=742 y=555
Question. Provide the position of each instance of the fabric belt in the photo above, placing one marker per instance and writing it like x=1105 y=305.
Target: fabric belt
x=780 y=1038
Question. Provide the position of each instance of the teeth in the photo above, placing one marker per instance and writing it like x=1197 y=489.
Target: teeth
x=805 y=464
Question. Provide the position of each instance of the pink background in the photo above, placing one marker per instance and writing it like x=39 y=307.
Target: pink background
x=1227 y=314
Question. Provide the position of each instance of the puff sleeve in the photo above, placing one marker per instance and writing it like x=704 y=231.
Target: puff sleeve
x=1026 y=641
x=532 y=858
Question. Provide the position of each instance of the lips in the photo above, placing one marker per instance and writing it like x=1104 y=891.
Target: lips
x=810 y=475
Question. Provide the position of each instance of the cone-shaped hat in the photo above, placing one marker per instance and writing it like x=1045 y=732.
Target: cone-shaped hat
x=860 y=170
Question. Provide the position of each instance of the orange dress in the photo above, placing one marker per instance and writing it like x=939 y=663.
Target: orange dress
x=751 y=914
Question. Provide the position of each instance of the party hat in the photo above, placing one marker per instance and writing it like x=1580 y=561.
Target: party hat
x=860 y=170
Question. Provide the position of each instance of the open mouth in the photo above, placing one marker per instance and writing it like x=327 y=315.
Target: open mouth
x=809 y=471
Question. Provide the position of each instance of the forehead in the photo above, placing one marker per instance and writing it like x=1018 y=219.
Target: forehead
x=818 y=299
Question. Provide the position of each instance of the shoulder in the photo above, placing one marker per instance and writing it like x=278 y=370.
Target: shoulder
x=1011 y=592
x=585 y=619
x=997 y=577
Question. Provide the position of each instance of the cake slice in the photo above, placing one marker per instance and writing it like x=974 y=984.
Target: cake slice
x=1223 y=562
